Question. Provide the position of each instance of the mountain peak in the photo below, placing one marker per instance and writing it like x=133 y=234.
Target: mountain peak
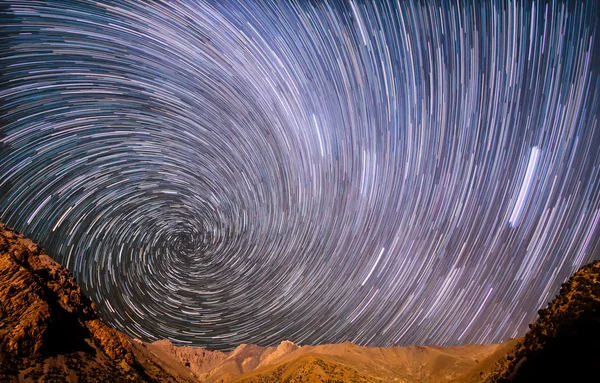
x=286 y=347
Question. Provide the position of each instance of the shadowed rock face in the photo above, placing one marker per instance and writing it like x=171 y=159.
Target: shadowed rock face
x=564 y=343
x=40 y=303
x=50 y=330
x=198 y=360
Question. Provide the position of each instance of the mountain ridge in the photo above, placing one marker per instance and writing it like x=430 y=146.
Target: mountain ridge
x=51 y=332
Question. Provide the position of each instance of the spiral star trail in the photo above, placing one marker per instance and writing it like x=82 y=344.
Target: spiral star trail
x=218 y=173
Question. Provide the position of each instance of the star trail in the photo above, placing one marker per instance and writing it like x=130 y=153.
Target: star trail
x=227 y=172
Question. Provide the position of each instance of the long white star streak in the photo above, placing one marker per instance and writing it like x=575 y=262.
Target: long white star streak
x=219 y=173
x=533 y=160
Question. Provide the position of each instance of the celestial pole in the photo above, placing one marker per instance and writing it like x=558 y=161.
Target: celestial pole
x=227 y=172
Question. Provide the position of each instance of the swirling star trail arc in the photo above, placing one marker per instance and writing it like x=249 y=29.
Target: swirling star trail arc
x=219 y=173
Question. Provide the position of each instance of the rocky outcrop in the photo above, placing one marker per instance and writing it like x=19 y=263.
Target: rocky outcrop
x=40 y=303
x=114 y=344
x=244 y=358
x=564 y=343
x=198 y=360
x=49 y=330
x=216 y=366
x=285 y=348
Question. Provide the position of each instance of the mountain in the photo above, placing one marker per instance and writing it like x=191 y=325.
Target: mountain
x=563 y=345
x=51 y=332
x=348 y=362
x=335 y=362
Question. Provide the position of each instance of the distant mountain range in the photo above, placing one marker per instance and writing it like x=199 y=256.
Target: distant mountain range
x=51 y=332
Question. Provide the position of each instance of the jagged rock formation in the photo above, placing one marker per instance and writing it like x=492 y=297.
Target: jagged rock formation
x=199 y=360
x=564 y=343
x=215 y=366
x=49 y=330
x=285 y=348
x=33 y=290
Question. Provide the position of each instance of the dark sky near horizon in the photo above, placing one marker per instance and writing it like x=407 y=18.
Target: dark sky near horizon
x=218 y=173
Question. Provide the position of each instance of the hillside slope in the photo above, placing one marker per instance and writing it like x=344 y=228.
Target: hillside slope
x=564 y=343
x=349 y=362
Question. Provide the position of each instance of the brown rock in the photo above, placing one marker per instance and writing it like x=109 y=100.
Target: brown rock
x=112 y=342
x=565 y=334
x=199 y=360
x=40 y=303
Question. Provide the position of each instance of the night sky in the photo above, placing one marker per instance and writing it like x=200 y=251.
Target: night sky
x=229 y=172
